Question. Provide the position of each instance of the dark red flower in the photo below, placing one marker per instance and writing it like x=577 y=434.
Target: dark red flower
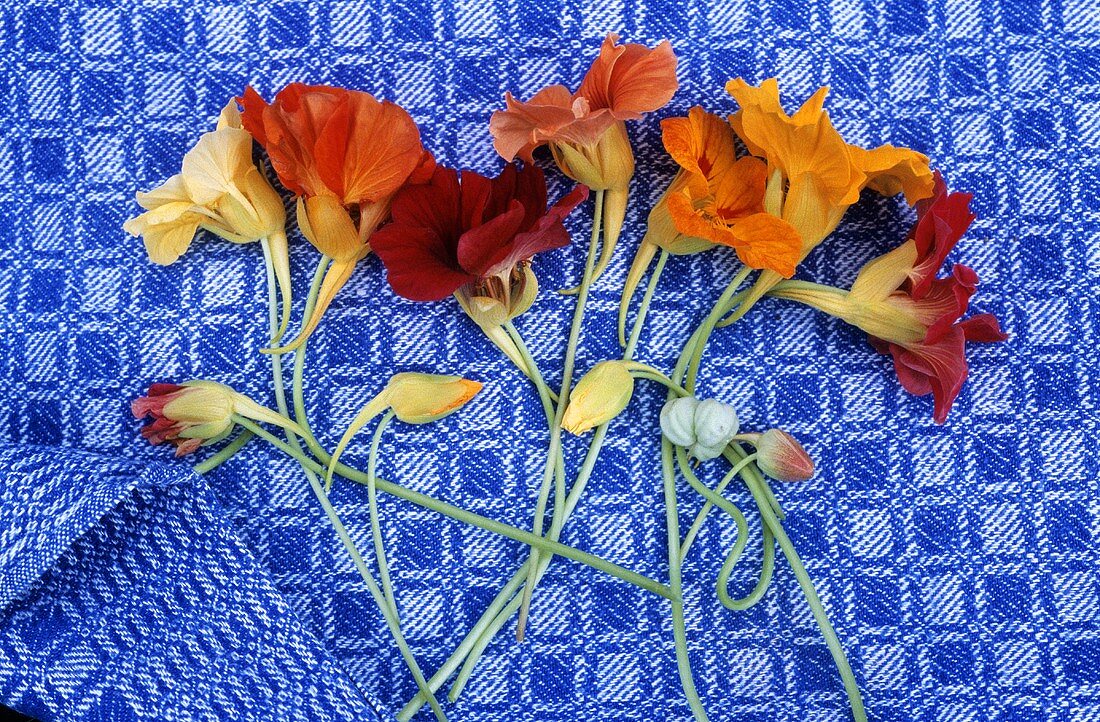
x=942 y=219
x=937 y=363
x=466 y=231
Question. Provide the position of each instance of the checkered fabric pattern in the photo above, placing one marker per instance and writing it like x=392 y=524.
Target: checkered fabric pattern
x=959 y=563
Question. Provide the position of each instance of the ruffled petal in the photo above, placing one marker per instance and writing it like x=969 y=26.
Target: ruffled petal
x=630 y=80
x=419 y=264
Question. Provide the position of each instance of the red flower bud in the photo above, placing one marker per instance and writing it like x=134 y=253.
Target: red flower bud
x=185 y=416
x=780 y=456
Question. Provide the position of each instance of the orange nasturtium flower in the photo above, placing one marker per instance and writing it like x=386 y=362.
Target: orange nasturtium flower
x=585 y=130
x=715 y=198
x=812 y=172
x=344 y=154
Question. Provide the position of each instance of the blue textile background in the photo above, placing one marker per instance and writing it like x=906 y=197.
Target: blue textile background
x=959 y=563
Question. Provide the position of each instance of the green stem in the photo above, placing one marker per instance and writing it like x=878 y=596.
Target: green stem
x=675 y=577
x=693 y=531
x=468 y=517
x=714 y=497
x=300 y=415
x=643 y=309
x=334 y=519
x=756 y=484
x=372 y=504
x=708 y=325
x=563 y=401
x=503 y=606
x=224 y=454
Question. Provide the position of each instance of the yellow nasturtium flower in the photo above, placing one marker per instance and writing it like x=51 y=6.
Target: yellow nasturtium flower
x=218 y=189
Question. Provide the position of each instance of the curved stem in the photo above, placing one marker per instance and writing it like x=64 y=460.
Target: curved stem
x=300 y=415
x=469 y=517
x=693 y=531
x=563 y=401
x=713 y=497
x=372 y=505
x=755 y=483
x=675 y=577
x=503 y=605
x=224 y=454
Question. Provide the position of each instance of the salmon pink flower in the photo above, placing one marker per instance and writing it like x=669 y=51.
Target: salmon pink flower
x=585 y=130
x=907 y=311
x=344 y=154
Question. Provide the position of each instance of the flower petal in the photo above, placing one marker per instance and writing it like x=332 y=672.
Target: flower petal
x=418 y=262
x=630 y=80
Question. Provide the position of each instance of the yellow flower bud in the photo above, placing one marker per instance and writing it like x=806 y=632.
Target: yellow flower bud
x=420 y=398
x=415 y=398
x=600 y=396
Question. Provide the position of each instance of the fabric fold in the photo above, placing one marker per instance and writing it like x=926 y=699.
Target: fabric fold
x=126 y=595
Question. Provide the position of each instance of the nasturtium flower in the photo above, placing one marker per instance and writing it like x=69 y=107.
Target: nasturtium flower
x=813 y=174
x=715 y=198
x=218 y=189
x=601 y=395
x=586 y=130
x=906 y=310
x=465 y=234
x=195 y=413
x=344 y=154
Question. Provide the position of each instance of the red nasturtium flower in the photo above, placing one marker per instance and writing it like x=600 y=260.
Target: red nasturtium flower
x=344 y=154
x=907 y=311
x=585 y=130
x=472 y=236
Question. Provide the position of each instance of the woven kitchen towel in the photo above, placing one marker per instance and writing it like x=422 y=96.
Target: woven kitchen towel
x=958 y=562
x=124 y=595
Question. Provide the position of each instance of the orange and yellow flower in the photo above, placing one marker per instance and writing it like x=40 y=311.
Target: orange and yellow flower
x=814 y=174
x=344 y=154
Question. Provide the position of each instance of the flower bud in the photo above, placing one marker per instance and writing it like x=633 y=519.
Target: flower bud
x=780 y=456
x=702 y=427
x=194 y=413
x=600 y=396
x=420 y=398
x=715 y=423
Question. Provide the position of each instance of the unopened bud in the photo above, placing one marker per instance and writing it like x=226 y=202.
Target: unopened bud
x=702 y=427
x=780 y=456
x=600 y=396
x=421 y=398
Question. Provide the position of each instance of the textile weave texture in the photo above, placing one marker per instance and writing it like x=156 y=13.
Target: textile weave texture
x=959 y=563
